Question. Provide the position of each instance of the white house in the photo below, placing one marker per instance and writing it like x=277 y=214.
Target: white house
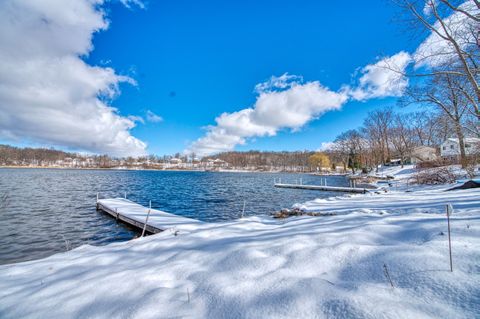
x=423 y=154
x=451 y=147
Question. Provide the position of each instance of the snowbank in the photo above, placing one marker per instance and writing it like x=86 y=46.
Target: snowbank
x=306 y=267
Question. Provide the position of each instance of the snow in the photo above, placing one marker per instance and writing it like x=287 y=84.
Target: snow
x=258 y=267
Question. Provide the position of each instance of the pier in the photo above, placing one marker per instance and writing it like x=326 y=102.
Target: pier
x=147 y=219
x=324 y=188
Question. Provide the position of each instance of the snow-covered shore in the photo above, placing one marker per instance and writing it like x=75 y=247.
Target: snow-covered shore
x=257 y=267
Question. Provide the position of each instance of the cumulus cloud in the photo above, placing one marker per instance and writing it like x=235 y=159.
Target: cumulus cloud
x=48 y=94
x=153 y=118
x=383 y=78
x=283 y=102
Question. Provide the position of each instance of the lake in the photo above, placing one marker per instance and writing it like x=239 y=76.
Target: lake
x=53 y=210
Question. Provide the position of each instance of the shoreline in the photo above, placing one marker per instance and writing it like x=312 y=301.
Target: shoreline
x=160 y=170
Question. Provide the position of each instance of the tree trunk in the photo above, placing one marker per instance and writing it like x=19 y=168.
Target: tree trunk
x=461 y=143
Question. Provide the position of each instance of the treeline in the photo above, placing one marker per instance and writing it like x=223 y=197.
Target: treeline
x=254 y=160
x=387 y=135
x=285 y=161
x=10 y=155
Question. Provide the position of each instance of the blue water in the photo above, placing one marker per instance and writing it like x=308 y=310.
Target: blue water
x=53 y=210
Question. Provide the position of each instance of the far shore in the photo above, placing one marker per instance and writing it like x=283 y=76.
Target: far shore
x=162 y=170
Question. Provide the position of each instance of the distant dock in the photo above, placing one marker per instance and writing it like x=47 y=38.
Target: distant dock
x=149 y=220
x=324 y=188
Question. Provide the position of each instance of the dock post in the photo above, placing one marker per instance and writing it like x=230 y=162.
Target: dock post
x=243 y=210
x=125 y=195
x=97 y=197
x=146 y=219
x=325 y=181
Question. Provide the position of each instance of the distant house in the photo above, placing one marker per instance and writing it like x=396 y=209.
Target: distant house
x=175 y=161
x=451 y=147
x=219 y=163
x=216 y=163
x=423 y=154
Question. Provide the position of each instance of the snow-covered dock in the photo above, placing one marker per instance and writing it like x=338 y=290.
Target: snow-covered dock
x=136 y=215
x=324 y=188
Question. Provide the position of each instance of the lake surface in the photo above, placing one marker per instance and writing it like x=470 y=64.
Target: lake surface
x=53 y=210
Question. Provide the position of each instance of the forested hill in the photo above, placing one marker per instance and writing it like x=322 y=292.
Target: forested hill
x=9 y=154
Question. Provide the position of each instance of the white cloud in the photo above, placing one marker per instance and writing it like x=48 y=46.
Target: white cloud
x=282 y=103
x=427 y=8
x=154 y=118
x=326 y=146
x=136 y=118
x=278 y=82
x=435 y=51
x=383 y=78
x=48 y=94
x=130 y=3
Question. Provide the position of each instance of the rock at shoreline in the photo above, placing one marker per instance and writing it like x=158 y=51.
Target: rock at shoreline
x=285 y=213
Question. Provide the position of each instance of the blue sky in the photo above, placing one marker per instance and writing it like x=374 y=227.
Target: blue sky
x=89 y=75
x=194 y=60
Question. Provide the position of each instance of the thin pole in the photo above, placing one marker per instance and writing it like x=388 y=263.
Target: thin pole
x=97 y=197
x=449 y=211
x=243 y=210
x=146 y=219
x=125 y=195
x=387 y=274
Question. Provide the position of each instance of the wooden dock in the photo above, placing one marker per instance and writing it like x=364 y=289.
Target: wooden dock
x=136 y=215
x=324 y=188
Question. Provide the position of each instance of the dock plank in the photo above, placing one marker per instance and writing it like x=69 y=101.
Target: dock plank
x=136 y=214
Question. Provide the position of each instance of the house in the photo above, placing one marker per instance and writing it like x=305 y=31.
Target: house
x=215 y=163
x=423 y=154
x=450 y=149
x=175 y=161
x=219 y=163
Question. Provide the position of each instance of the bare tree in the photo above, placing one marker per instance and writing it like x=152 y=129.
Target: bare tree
x=402 y=136
x=443 y=92
x=456 y=25
x=377 y=126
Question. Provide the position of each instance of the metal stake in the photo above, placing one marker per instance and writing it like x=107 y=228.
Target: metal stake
x=449 y=211
x=146 y=219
